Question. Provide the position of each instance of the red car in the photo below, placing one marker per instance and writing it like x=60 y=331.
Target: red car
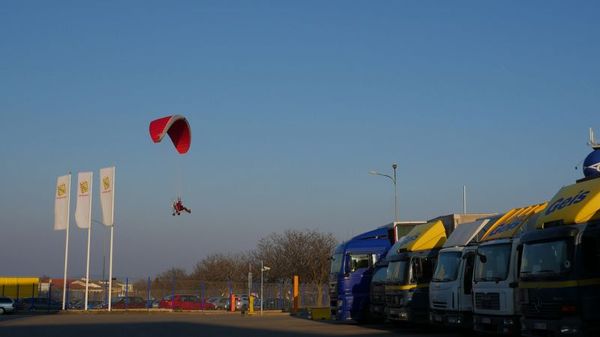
x=185 y=302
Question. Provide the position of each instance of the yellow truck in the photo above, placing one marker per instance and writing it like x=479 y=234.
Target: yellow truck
x=412 y=261
x=559 y=279
x=19 y=287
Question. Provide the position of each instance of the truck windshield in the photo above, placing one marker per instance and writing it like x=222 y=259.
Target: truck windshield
x=380 y=275
x=497 y=261
x=447 y=267
x=397 y=272
x=336 y=263
x=358 y=261
x=545 y=259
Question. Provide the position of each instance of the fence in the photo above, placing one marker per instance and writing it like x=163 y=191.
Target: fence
x=159 y=294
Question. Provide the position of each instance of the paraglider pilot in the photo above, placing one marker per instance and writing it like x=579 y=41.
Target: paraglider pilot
x=178 y=207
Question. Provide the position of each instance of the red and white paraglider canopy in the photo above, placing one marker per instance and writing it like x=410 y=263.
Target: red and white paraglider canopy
x=178 y=129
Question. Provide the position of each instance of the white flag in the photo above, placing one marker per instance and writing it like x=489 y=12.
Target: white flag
x=61 y=202
x=83 y=210
x=107 y=195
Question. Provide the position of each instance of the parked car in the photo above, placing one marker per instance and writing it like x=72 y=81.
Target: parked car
x=185 y=302
x=95 y=304
x=222 y=304
x=213 y=300
x=92 y=304
x=37 y=304
x=7 y=305
x=241 y=301
x=129 y=302
x=75 y=304
x=277 y=303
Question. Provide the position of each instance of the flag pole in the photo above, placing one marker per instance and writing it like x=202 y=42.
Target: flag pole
x=87 y=269
x=110 y=267
x=112 y=232
x=64 y=300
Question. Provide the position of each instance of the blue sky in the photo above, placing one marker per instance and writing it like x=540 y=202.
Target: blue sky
x=291 y=105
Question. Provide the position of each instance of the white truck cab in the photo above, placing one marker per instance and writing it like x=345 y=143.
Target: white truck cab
x=495 y=278
x=450 y=291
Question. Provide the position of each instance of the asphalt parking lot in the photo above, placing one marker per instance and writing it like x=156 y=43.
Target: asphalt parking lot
x=191 y=324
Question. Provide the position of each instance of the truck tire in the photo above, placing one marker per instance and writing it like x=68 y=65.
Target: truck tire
x=365 y=317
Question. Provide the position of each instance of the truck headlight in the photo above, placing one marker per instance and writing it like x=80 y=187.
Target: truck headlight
x=568 y=330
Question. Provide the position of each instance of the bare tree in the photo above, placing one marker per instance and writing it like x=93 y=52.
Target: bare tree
x=174 y=277
x=221 y=267
x=303 y=253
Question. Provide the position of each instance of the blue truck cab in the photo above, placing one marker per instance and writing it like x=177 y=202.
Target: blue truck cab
x=352 y=268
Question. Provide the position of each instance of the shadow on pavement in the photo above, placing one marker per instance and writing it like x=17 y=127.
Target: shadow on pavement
x=145 y=329
x=23 y=314
x=399 y=328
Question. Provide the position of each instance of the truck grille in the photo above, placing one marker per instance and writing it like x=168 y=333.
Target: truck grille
x=392 y=300
x=487 y=301
x=537 y=308
x=378 y=299
x=440 y=304
x=333 y=290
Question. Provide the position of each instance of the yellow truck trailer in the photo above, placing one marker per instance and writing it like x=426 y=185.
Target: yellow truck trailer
x=19 y=287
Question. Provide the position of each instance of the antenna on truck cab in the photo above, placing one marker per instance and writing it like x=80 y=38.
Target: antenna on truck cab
x=592 y=141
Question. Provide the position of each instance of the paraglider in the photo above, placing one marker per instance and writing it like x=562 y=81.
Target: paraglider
x=178 y=129
x=178 y=207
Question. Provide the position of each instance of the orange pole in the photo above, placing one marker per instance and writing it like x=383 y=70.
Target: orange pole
x=296 y=292
x=232 y=302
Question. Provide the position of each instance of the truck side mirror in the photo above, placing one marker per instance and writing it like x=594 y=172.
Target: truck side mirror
x=347 y=265
x=482 y=257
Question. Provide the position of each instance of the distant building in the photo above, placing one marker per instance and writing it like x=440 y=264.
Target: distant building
x=23 y=287
x=76 y=287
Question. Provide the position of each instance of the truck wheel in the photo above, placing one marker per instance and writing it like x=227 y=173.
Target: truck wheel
x=365 y=317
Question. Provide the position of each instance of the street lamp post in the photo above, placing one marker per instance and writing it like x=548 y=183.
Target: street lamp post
x=393 y=179
x=263 y=269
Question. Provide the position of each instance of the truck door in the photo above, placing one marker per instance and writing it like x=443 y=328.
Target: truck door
x=358 y=281
x=590 y=295
x=466 y=295
x=423 y=268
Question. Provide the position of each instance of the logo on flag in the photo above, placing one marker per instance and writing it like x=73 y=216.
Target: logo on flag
x=84 y=187
x=83 y=210
x=106 y=184
x=107 y=194
x=61 y=190
x=61 y=202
